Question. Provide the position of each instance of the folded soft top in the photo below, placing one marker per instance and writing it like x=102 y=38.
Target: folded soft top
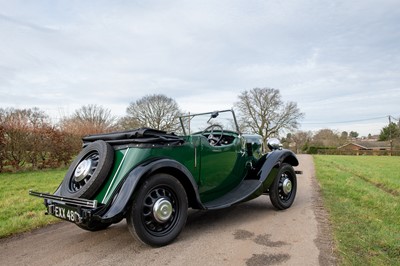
x=140 y=135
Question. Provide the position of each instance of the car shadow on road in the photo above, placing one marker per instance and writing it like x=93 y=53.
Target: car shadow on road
x=200 y=221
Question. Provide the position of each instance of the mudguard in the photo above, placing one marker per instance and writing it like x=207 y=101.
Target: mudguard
x=125 y=194
x=273 y=160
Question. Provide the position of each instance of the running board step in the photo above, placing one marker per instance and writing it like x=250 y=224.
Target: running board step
x=238 y=194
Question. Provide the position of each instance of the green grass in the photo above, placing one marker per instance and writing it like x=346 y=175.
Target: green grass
x=20 y=212
x=362 y=195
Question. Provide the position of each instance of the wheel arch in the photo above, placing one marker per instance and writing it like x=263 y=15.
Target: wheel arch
x=137 y=176
x=187 y=183
x=291 y=159
x=271 y=164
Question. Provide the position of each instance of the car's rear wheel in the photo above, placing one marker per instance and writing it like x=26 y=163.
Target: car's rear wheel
x=283 y=189
x=159 y=210
x=88 y=171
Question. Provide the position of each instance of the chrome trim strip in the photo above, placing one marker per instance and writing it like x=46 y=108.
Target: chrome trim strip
x=115 y=175
x=65 y=200
x=195 y=157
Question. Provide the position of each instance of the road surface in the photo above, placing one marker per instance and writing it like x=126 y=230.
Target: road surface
x=252 y=233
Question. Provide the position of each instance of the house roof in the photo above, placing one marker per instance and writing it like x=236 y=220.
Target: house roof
x=369 y=144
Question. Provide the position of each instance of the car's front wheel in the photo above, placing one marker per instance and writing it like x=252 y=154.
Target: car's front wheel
x=159 y=210
x=283 y=189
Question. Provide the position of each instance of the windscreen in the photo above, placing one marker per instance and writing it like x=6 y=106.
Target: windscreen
x=197 y=123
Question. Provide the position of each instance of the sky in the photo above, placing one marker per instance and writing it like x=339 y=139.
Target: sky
x=338 y=60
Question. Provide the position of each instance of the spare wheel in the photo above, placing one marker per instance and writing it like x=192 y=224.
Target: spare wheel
x=88 y=171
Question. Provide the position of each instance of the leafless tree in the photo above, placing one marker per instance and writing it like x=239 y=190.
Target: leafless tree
x=263 y=112
x=326 y=138
x=128 y=122
x=155 y=111
x=89 y=119
x=301 y=139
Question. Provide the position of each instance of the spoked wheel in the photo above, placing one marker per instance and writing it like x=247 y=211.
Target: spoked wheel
x=84 y=171
x=88 y=171
x=283 y=190
x=159 y=210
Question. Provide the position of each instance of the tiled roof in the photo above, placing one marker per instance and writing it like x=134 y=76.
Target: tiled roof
x=369 y=144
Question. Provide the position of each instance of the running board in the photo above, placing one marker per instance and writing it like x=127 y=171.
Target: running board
x=238 y=194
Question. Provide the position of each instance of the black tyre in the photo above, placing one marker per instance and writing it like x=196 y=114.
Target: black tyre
x=88 y=171
x=159 y=210
x=94 y=226
x=283 y=190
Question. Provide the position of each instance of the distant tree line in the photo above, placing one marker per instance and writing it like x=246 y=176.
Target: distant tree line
x=311 y=142
x=28 y=139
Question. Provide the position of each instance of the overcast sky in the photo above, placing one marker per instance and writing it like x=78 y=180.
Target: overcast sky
x=339 y=60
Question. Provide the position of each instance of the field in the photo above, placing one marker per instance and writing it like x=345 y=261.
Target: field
x=362 y=195
x=20 y=212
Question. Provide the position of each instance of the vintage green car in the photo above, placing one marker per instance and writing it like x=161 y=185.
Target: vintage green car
x=151 y=177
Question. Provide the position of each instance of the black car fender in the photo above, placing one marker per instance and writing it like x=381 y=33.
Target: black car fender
x=273 y=160
x=125 y=194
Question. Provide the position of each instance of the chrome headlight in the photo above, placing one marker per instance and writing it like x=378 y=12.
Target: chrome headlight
x=274 y=144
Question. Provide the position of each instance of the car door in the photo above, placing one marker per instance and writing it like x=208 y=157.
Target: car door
x=221 y=168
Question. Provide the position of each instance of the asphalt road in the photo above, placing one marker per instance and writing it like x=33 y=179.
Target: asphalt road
x=252 y=233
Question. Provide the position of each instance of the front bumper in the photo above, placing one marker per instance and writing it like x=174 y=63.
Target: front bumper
x=76 y=210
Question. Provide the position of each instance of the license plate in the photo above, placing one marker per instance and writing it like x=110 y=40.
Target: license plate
x=65 y=213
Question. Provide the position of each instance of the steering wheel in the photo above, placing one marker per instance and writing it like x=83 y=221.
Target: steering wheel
x=211 y=138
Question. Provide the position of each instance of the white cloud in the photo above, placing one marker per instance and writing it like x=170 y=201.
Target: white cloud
x=338 y=60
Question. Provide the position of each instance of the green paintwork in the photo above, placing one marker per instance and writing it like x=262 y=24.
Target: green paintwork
x=128 y=158
x=222 y=168
x=216 y=169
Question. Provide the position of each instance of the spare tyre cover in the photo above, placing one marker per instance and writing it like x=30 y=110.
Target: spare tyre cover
x=88 y=171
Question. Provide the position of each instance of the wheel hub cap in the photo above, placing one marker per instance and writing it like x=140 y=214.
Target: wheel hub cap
x=287 y=186
x=82 y=170
x=162 y=210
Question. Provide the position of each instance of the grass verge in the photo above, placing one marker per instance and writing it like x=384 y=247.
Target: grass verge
x=362 y=197
x=20 y=212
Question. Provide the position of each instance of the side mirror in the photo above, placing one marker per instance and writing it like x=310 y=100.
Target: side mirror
x=274 y=144
x=213 y=115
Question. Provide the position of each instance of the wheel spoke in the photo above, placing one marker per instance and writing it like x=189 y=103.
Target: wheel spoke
x=281 y=193
x=156 y=226
x=94 y=157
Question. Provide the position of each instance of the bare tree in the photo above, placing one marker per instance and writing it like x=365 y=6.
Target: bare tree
x=301 y=140
x=326 y=138
x=128 y=122
x=155 y=111
x=38 y=141
x=89 y=119
x=263 y=112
